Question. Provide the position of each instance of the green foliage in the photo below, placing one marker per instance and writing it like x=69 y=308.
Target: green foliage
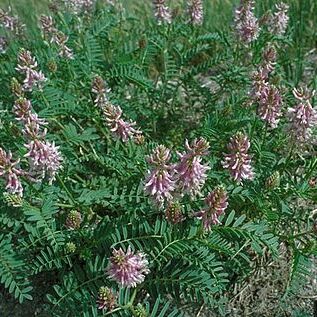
x=177 y=82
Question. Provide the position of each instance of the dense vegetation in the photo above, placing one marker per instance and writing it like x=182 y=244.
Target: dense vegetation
x=150 y=162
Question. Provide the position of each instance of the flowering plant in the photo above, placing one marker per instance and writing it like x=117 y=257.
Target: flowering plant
x=149 y=165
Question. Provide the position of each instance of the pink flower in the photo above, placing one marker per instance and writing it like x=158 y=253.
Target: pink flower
x=270 y=103
x=22 y=109
x=27 y=65
x=269 y=60
x=127 y=269
x=10 y=22
x=259 y=83
x=78 y=6
x=60 y=39
x=99 y=88
x=124 y=130
x=191 y=174
x=159 y=182
x=246 y=24
x=278 y=22
x=162 y=12
x=302 y=117
x=10 y=173
x=217 y=202
x=47 y=25
x=44 y=159
x=238 y=161
x=106 y=299
x=196 y=11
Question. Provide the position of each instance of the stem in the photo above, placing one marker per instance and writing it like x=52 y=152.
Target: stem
x=66 y=190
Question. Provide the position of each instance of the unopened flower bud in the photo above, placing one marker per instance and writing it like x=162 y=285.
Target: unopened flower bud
x=70 y=247
x=106 y=299
x=73 y=220
x=273 y=181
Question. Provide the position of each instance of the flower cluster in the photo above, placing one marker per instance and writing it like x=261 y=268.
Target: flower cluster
x=270 y=103
x=191 y=173
x=120 y=128
x=106 y=299
x=127 y=268
x=44 y=157
x=302 y=117
x=267 y=96
x=162 y=12
x=11 y=173
x=99 y=88
x=165 y=181
x=278 y=21
x=238 y=161
x=269 y=60
x=11 y=23
x=160 y=181
x=196 y=11
x=27 y=65
x=124 y=130
x=79 y=6
x=217 y=203
x=55 y=36
x=246 y=24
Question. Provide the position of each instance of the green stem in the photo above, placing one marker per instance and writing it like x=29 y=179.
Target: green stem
x=66 y=190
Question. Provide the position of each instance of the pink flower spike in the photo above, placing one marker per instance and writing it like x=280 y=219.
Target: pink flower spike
x=246 y=24
x=217 y=203
x=162 y=12
x=270 y=104
x=10 y=172
x=196 y=11
x=238 y=161
x=159 y=182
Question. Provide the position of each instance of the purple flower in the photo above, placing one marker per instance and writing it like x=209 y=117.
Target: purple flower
x=246 y=24
x=270 y=103
x=217 y=203
x=55 y=36
x=44 y=158
x=238 y=161
x=22 y=109
x=99 y=88
x=277 y=23
x=269 y=60
x=162 y=12
x=259 y=83
x=10 y=173
x=196 y=11
x=106 y=299
x=159 y=182
x=47 y=25
x=27 y=65
x=124 y=130
x=10 y=22
x=302 y=117
x=78 y=6
x=191 y=173
x=128 y=269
